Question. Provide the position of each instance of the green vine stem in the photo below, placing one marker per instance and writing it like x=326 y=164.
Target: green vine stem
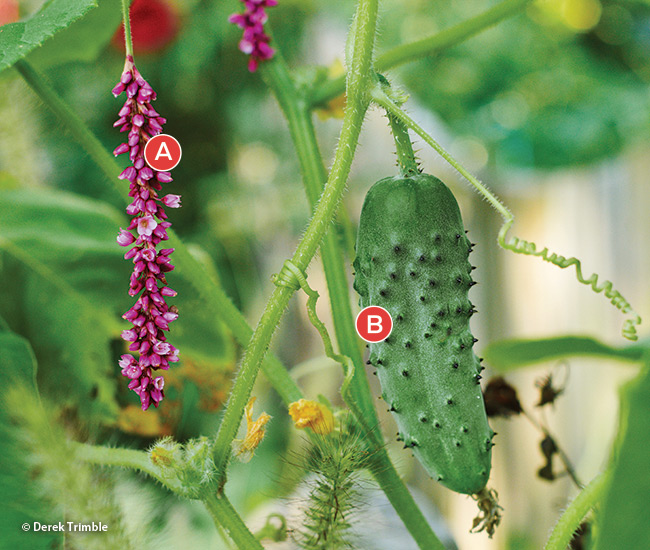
x=314 y=175
x=403 y=147
x=570 y=520
x=516 y=245
x=359 y=82
x=126 y=17
x=125 y=458
x=212 y=295
x=298 y=114
x=431 y=45
x=223 y=513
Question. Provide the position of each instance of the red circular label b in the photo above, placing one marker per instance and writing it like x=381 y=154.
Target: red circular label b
x=162 y=152
x=374 y=324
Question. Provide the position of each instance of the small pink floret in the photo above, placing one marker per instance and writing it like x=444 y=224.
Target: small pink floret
x=146 y=225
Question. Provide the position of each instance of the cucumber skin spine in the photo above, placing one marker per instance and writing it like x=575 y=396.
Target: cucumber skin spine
x=412 y=260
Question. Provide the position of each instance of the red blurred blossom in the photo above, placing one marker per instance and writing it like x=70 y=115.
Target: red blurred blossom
x=154 y=24
x=9 y=12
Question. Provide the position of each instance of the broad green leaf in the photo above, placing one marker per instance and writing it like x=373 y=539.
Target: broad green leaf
x=17 y=359
x=19 y=39
x=70 y=335
x=83 y=40
x=625 y=516
x=512 y=354
x=20 y=501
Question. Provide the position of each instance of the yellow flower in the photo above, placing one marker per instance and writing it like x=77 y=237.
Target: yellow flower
x=255 y=430
x=311 y=414
x=335 y=107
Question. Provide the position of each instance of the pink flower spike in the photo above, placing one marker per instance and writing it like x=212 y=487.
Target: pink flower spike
x=173 y=201
x=150 y=315
x=254 y=42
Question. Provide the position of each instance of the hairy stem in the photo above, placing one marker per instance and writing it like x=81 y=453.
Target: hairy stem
x=431 y=45
x=380 y=97
x=314 y=176
x=359 y=82
x=225 y=515
x=403 y=147
x=570 y=520
x=124 y=458
x=128 y=41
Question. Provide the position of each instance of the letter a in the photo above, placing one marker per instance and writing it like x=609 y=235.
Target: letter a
x=160 y=153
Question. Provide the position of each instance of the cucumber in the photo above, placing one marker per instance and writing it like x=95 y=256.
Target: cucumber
x=412 y=260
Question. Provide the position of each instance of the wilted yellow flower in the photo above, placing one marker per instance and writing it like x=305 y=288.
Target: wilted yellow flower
x=255 y=430
x=334 y=108
x=311 y=414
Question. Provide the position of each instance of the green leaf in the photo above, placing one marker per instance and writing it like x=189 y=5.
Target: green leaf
x=19 y=39
x=624 y=517
x=508 y=355
x=71 y=337
x=81 y=41
x=21 y=503
x=17 y=359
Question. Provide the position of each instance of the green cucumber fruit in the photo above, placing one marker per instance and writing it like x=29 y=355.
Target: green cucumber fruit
x=412 y=260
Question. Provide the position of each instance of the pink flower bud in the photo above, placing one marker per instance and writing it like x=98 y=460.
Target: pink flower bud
x=173 y=201
x=125 y=238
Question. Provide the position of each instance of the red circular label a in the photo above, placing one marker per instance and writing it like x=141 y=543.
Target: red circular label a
x=162 y=152
x=374 y=324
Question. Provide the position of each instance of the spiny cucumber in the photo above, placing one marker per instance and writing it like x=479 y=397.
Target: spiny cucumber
x=412 y=260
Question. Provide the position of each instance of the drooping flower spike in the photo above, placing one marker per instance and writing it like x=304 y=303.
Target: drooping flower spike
x=150 y=315
x=255 y=41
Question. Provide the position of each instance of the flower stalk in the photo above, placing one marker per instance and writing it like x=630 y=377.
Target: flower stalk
x=150 y=315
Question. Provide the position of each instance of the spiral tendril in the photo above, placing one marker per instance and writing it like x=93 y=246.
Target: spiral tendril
x=528 y=248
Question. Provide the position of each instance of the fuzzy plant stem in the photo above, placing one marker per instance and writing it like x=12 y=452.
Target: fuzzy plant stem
x=359 y=82
x=124 y=458
x=212 y=295
x=298 y=115
x=224 y=514
x=570 y=520
x=403 y=147
x=429 y=46
x=126 y=17
x=314 y=175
